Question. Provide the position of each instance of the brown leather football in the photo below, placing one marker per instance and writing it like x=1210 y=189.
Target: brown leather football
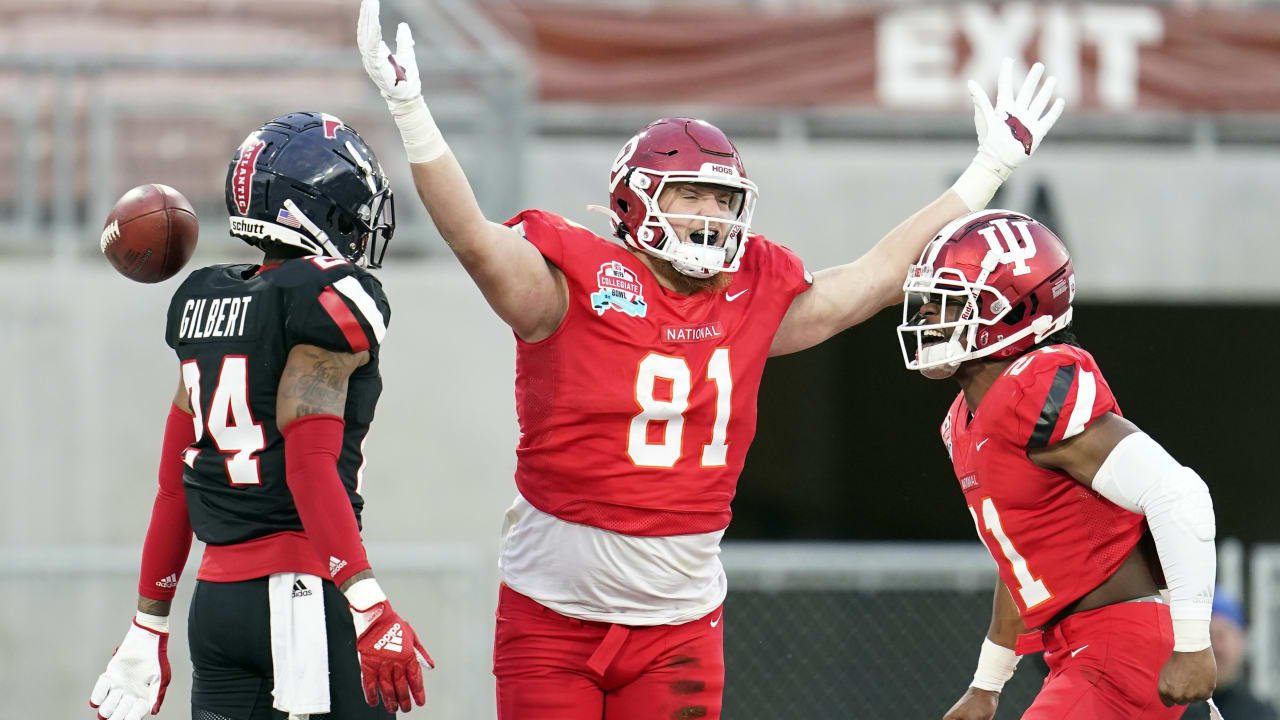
x=150 y=234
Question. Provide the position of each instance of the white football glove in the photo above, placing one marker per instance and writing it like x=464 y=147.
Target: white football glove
x=137 y=675
x=1008 y=133
x=1013 y=129
x=396 y=76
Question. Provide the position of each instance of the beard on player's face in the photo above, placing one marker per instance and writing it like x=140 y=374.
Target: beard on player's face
x=686 y=285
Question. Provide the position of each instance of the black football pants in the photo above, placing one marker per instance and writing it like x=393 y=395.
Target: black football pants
x=229 y=633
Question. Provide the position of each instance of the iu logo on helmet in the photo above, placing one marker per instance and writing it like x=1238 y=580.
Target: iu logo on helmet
x=1020 y=132
x=1011 y=251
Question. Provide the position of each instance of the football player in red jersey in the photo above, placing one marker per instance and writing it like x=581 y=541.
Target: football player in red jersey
x=1063 y=490
x=637 y=369
x=279 y=370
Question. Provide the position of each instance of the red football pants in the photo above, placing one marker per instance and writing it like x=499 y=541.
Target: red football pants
x=1105 y=664
x=553 y=667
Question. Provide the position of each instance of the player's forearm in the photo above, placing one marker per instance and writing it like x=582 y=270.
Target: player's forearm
x=997 y=660
x=1006 y=623
x=312 y=445
x=886 y=263
x=901 y=247
x=168 y=539
x=447 y=195
x=1140 y=476
x=151 y=606
x=362 y=575
x=515 y=279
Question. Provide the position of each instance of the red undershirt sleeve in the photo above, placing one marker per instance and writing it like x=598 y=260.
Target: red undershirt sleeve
x=164 y=552
x=312 y=444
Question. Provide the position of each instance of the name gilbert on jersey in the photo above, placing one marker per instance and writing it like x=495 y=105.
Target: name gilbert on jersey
x=214 y=317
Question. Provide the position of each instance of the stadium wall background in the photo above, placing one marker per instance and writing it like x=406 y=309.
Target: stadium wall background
x=848 y=444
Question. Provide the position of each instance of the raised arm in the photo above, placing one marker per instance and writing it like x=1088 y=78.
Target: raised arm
x=526 y=291
x=845 y=295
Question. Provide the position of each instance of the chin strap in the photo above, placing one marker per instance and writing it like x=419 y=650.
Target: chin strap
x=321 y=238
x=613 y=216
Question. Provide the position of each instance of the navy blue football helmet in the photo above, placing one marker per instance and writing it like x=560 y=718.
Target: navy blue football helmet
x=307 y=180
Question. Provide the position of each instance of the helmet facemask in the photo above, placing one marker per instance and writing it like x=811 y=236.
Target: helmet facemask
x=659 y=238
x=377 y=222
x=673 y=151
x=936 y=349
x=1002 y=282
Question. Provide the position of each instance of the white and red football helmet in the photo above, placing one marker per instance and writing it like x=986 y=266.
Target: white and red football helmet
x=1011 y=279
x=679 y=150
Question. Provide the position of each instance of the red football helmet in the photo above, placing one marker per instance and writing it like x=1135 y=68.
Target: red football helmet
x=1011 y=279
x=679 y=150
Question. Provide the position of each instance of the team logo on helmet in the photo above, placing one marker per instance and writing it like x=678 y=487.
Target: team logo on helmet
x=242 y=181
x=620 y=289
x=331 y=125
x=1000 y=282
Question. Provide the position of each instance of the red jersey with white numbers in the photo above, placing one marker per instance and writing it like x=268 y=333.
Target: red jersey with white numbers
x=636 y=413
x=1053 y=539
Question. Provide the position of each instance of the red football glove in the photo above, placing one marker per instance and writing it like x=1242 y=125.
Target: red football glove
x=391 y=658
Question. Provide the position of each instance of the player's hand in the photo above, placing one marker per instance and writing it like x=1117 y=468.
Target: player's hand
x=391 y=658
x=396 y=75
x=136 y=676
x=1011 y=130
x=1188 y=677
x=975 y=704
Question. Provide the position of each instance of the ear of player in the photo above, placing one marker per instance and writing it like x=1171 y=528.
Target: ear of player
x=1008 y=132
x=138 y=674
x=391 y=657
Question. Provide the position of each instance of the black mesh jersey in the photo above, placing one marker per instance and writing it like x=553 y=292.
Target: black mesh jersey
x=233 y=327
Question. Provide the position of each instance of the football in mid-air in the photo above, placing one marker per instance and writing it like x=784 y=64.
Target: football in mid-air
x=150 y=233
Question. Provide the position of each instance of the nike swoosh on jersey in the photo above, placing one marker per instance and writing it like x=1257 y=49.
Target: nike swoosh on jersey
x=1078 y=650
x=734 y=296
x=979 y=445
x=717 y=620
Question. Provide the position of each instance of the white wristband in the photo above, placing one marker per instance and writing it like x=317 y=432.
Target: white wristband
x=422 y=139
x=1190 y=635
x=979 y=182
x=156 y=623
x=364 y=594
x=996 y=664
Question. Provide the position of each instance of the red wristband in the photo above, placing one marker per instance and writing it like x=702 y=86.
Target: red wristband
x=312 y=444
x=164 y=552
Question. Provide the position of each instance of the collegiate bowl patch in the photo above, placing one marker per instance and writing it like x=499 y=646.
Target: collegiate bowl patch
x=620 y=289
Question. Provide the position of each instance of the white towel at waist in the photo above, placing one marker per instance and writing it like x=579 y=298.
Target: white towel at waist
x=299 y=649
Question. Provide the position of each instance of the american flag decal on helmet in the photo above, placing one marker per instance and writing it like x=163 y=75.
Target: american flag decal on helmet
x=284 y=217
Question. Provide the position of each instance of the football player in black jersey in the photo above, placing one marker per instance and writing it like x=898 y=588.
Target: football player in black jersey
x=279 y=370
